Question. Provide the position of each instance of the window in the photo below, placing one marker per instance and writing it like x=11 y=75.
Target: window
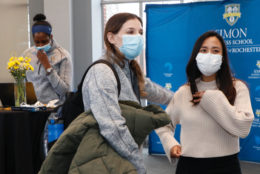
x=111 y=7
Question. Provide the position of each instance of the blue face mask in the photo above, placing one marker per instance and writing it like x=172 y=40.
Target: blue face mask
x=45 y=48
x=132 y=46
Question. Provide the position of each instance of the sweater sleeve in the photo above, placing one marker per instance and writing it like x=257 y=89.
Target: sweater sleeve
x=166 y=133
x=61 y=82
x=235 y=119
x=156 y=93
x=101 y=86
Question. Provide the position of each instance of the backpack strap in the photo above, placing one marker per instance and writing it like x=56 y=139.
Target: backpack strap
x=108 y=64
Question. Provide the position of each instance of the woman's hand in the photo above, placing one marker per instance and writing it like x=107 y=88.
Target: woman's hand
x=197 y=96
x=43 y=58
x=176 y=151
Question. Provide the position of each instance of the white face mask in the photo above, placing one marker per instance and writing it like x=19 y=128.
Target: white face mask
x=208 y=64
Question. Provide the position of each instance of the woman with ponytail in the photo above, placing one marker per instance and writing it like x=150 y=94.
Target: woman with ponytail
x=52 y=64
x=214 y=110
x=124 y=42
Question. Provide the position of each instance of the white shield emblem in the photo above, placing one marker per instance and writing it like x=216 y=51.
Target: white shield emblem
x=232 y=13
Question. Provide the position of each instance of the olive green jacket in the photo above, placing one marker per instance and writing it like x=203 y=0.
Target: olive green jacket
x=82 y=150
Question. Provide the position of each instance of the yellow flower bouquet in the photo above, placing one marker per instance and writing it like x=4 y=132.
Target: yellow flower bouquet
x=18 y=66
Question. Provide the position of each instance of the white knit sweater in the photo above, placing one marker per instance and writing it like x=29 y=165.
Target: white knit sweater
x=213 y=127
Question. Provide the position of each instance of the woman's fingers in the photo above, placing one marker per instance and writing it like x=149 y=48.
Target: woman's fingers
x=197 y=96
x=176 y=151
x=43 y=58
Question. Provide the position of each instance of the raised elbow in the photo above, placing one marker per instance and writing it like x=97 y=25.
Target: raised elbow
x=244 y=134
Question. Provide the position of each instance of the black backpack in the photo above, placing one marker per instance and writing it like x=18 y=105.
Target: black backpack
x=73 y=105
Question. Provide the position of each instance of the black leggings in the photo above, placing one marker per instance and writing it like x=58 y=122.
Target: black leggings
x=219 y=165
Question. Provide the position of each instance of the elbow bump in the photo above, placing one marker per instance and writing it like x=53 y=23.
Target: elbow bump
x=244 y=134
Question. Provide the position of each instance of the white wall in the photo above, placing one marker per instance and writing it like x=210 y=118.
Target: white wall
x=35 y=7
x=82 y=37
x=87 y=35
x=13 y=33
x=97 y=37
x=77 y=27
x=59 y=13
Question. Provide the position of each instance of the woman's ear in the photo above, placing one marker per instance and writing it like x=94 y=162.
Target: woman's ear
x=51 y=36
x=111 y=38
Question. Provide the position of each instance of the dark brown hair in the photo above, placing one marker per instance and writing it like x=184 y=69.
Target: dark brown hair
x=113 y=25
x=224 y=77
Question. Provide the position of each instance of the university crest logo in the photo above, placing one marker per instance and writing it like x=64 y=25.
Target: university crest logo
x=232 y=13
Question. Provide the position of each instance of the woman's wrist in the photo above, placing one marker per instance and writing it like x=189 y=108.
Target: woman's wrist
x=49 y=70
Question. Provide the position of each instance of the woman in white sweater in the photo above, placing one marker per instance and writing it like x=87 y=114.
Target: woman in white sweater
x=214 y=110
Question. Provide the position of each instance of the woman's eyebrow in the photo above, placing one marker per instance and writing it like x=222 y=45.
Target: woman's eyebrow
x=216 y=47
x=130 y=28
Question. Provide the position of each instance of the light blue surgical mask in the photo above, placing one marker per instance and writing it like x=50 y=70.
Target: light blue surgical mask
x=132 y=46
x=45 y=48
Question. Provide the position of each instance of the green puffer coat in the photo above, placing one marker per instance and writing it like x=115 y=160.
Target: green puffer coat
x=82 y=150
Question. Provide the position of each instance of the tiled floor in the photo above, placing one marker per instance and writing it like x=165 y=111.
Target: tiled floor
x=158 y=164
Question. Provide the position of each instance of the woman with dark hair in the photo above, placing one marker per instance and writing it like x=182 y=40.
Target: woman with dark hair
x=52 y=63
x=124 y=42
x=214 y=110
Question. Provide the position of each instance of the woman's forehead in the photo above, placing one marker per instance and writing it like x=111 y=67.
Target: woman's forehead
x=132 y=23
x=211 y=41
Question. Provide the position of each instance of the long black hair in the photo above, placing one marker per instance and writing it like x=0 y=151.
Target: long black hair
x=224 y=77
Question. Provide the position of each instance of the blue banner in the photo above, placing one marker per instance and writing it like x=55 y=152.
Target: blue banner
x=171 y=33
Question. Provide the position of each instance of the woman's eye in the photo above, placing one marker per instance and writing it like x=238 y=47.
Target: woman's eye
x=216 y=51
x=130 y=32
x=203 y=50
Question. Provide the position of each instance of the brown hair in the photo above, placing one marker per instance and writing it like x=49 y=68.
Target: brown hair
x=113 y=25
